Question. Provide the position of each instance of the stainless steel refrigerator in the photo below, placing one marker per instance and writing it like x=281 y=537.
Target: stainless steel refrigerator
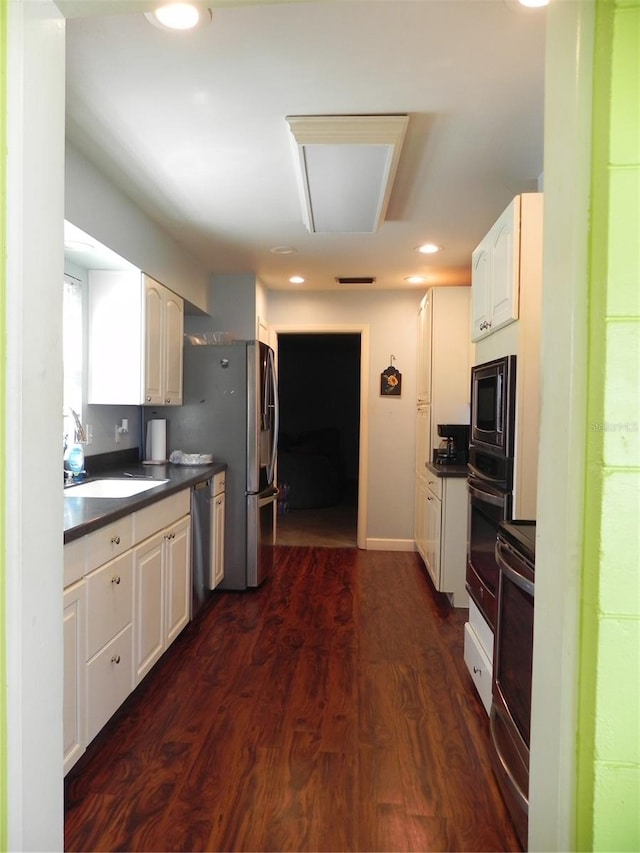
x=230 y=409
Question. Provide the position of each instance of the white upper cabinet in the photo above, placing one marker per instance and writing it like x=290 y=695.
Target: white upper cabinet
x=495 y=274
x=164 y=328
x=425 y=315
x=135 y=340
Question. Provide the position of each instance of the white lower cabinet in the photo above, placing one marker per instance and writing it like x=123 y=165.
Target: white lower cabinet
x=74 y=666
x=109 y=678
x=126 y=599
x=162 y=590
x=216 y=570
x=442 y=525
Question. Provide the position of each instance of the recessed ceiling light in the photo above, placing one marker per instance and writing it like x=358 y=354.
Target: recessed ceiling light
x=415 y=279
x=283 y=250
x=177 y=16
x=296 y=279
x=533 y=4
x=428 y=249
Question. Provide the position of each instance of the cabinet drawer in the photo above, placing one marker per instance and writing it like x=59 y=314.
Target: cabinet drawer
x=109 y=601
x=481 y=629
x=108 y=542
x=74 y=557
x=109 y=681
x=479 y=666
x=219 y=482
x=152 y=518
x=434 y=484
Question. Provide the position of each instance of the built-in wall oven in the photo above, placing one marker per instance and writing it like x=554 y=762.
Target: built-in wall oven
x=490 y=480
x=489 y=506
x=510 y=719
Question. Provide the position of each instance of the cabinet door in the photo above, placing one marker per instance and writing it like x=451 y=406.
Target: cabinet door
x=432 y=544
x=425 y=315
x=153 y=338
x=481 y=292
x=173 y=344
x=420 y=520
x=109 y=681
x=109 y=601
x=74 y=660
x=423 y=439
x=177 y=547
x=115 y=351
x=505 y=261
x=217 y=545
x=148 y=605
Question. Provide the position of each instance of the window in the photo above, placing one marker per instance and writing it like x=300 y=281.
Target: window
x=72 y=353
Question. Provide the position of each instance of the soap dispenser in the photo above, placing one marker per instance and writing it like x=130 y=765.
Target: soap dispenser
x=74 y=453
x=74 y=457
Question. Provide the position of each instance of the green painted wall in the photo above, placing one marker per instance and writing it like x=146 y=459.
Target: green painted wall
x=3 y=255
x=608 y=809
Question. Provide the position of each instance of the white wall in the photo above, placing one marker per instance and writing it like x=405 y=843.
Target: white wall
x=95 y=205
x=33 y=514
x=392 y=322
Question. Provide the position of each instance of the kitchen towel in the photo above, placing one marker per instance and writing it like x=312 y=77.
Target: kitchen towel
x=157 y=440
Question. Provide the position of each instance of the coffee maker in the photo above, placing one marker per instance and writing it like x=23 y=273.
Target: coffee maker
x=454 y=447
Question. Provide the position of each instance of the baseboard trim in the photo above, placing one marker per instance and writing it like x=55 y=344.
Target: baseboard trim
x=390 y=545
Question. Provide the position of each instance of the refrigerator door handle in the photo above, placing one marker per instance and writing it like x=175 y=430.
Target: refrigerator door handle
x=276 y=416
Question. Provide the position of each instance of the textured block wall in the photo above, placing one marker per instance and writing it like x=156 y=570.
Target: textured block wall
x=609 y=741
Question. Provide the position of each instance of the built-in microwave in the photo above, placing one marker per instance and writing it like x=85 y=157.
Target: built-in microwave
x=493 y=405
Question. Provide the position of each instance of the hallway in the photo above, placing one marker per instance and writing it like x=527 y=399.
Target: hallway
x=328 y=710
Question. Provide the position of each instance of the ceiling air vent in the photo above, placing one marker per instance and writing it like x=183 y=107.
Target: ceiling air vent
x=355 y=279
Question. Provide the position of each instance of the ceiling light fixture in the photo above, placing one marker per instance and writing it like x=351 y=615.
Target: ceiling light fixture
x=428 y=249
x=345 y=167
x=178 y=16
x=415 y=279
x=533 y=4
x=296 y=279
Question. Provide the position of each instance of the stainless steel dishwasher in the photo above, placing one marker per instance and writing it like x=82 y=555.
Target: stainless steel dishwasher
x=201 y=543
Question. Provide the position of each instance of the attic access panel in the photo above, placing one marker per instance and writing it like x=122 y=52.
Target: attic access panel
x=345 y=168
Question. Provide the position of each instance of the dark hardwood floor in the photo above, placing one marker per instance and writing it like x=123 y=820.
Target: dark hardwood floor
x=329 y=710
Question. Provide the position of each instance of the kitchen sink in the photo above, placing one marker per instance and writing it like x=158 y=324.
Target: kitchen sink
x=111 y=488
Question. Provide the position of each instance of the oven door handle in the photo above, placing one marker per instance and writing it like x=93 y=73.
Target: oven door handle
x=518 y=793
x=512 y=573
x=487 y=497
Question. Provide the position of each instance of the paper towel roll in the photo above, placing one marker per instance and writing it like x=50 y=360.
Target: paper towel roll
x=157 y=440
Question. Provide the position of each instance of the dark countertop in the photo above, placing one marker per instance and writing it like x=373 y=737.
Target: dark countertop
x=84 y=515
x=521 y=534
x=447 y=470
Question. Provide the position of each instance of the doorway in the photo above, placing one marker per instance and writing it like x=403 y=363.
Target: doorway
x=319 y=378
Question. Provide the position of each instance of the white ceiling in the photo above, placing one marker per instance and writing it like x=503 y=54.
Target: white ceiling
x=192 y=125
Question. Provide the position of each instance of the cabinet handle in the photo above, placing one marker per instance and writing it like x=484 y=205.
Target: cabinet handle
x=148 y=399
x=477 y=670
x=115 y=579
x=115 y=540
x=219 y=501
x=115 y=659
x=167 y=399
